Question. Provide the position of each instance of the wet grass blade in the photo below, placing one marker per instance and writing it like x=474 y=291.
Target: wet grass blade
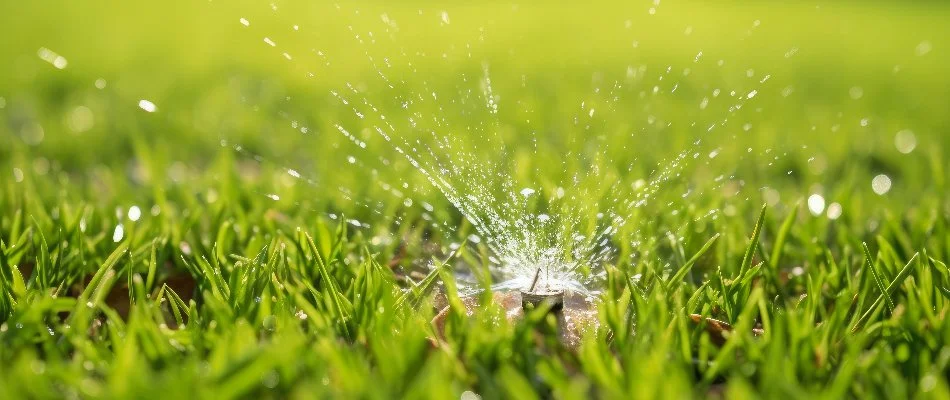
x=869 y=265
x=330 y=283
x=750 y=251
x=681 y=273
x=778 y=248
x=898 y=280
x=426 y=282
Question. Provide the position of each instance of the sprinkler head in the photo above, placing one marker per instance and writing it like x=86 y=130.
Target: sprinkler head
x=534 y=297
x=532 y=300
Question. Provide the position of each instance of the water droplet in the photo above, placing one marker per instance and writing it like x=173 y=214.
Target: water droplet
x=32 y=133
x=928 y=383
x=135 y=213
x=118 y=233
x=469 y=395
x=905 y=141
x=923 y=48
x=148 y=106
x=41 y=166
x=245 y=22
x=816 y=204
x=834 y=211
x=856 y=92
x=80 y=119
x=881 y=184
x=771 y=196
x=270 y=379
x=56 y=60
x=527 y=192
x=18 y=174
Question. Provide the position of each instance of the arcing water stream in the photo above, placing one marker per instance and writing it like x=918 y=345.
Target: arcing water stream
x=549 y=231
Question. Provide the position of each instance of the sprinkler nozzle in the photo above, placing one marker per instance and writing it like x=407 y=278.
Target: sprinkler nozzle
x=534 y=298
x=534 y=282
x=530 y=300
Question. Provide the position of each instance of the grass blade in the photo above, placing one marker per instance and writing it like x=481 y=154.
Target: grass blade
x=692 y=261
x=779 y=246
x=869 y=264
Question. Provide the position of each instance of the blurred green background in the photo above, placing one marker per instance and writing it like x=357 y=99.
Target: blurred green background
x=840 y=81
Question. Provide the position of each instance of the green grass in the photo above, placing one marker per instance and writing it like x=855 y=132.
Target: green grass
x=218 y=291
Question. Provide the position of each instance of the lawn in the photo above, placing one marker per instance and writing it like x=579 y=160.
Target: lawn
x=299 y=199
